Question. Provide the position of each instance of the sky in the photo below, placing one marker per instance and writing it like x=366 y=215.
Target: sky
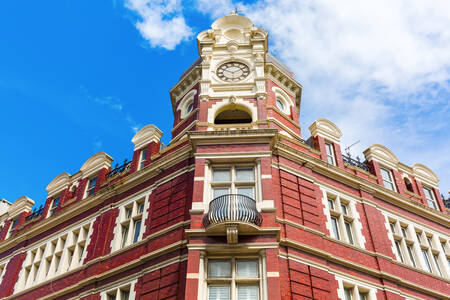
x=79 y=77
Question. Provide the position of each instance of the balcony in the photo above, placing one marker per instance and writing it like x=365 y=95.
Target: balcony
x=232 y=213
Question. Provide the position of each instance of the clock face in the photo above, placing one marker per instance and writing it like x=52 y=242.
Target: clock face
x=233 y=71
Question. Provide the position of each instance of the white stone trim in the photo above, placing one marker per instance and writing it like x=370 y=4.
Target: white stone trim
x=130 y=285
x=218 y=106
x=358 y=237
x=116 y=243
x=184 y=103
x=357 y=286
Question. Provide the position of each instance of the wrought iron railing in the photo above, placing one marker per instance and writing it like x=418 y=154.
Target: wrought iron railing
x=355 y=162
x=35 y=213
x=232 y=208
x=119 y=169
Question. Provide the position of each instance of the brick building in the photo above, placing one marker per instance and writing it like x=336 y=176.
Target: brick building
x=237 y=206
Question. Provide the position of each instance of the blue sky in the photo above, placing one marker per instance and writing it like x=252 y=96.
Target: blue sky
x=79 y=77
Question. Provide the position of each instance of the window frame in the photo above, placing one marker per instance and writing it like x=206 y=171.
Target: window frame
x=329 y=150
x=389 y=184
x=232 y=184
x=55 y=256
x=431 y=200
x=142 y=158
x=52 y=209
x=342 y=210
x=420 y=249
x=131 y=212
x=233 y=281
x=117 y=291
x=90 y=190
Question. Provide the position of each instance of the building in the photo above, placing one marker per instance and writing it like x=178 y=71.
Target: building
x=237 y=206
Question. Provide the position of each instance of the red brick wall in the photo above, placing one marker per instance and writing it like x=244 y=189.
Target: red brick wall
x=102 y=235
x=300 y=281
x=4 y=230
x=169 y=203
x=165 y=283
x=11 y=275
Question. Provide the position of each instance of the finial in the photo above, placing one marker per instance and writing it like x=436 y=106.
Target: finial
x=235 y=12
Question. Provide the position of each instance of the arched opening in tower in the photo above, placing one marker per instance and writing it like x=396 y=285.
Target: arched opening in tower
x=233 y=116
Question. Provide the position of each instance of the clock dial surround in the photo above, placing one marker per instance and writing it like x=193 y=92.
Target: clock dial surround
x=233 y=71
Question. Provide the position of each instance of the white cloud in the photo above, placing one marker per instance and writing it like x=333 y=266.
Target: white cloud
x=379 y=69
x=161 y=22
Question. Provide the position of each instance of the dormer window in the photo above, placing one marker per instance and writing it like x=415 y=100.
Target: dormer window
x=142 y=159
x=91 y=186
x=430 y=197
x=233 y=116
x=54 y=206
x=13 y=226
x=330 y=153
x=387 y=177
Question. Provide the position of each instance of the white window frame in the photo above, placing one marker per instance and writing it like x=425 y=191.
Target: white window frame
x=50 y=258
x=12 y=226
x=356 y=288
x=389 y=184
x=208 y=191
x=420 y=240
x=130 y=286
x=88 y=193
x=329 y=149
x=52 y=208
x=142 y=158
x=431 y=202
x=128 y=216
x=351 y=217
x=233 y=281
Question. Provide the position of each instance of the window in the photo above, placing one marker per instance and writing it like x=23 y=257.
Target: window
x=350 y=290
x=189 y=108
x=129 y=228
x=234 y=278
x=280 y=104
x=54 y=206
x=417 y=248
x=388 y=182
x=142 y=159
x=408 y=184
x=430 y=197
x=342 y=221
x=91 y=186
x=330 y=154
x=233 y=180
x=55 y=257
x=124 y=292
x=403 y=245
x=13 y=226
x=427 y=261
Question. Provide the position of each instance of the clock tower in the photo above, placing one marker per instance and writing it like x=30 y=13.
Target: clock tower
x=236 y=84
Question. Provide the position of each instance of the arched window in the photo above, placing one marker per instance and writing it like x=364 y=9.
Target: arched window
x=189 y=108
x=233 y=116
x=408 y=184
x=280 y=104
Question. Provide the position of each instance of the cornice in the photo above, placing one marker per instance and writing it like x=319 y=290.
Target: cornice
x=357 y=182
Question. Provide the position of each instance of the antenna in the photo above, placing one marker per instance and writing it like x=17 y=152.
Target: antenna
x=348 y=148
